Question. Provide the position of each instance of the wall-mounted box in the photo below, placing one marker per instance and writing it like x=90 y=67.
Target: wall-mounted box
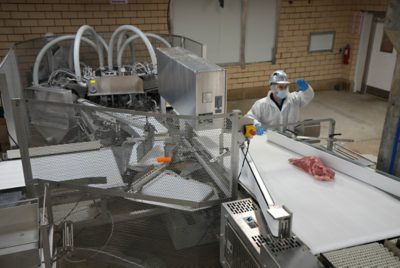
x=189 y=83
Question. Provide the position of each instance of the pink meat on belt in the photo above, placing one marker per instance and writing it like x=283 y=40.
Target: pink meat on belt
x=314 y=166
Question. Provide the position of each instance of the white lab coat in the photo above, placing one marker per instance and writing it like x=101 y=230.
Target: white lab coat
x=267 y=112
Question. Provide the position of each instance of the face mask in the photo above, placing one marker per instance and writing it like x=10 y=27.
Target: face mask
x=282 y=94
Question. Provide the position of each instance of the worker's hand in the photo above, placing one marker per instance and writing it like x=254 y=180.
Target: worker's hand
x=302 y=84
x=259 y=129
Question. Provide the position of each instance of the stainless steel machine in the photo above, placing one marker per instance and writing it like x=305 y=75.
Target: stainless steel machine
x=189 y=83
x=71 y=140
x=247 y=241
x=20 y=240
x=116 y=174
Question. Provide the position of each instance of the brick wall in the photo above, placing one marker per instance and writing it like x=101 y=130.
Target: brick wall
x=297 y=20
x=25 y=19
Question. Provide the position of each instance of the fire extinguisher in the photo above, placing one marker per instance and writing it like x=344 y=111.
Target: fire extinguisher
x=346 y=54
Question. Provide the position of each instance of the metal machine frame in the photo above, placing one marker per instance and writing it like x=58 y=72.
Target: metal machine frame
x=20 y=244
x=21 y=103
x=251 y=235
x=246 y=240
x=20 y=108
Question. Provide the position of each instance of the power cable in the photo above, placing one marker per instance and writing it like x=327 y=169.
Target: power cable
x=9 y=135
x=111 y=255
x=244 y=159
x=101 y=250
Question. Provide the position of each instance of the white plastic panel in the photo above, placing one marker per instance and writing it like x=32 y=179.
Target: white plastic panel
x=219 y=28
x=260 y=30
x=11 y=174
x=170 y=185
x=64 y=167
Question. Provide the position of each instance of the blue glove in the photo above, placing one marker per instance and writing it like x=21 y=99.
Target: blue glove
x=302 y=84
x=259 y=129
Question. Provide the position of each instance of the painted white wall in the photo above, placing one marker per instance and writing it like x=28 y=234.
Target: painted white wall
x=381 y=66
x=260 y=31
x=219 y=28
x=367 y=19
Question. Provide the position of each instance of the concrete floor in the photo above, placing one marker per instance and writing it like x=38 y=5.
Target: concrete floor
x=358 y=116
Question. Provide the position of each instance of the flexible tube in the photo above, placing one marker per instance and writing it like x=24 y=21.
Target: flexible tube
x=119 y=44
x=43 y=51
x=120 y=38
x=134 y=37
x=141 y=35
x=77 y=42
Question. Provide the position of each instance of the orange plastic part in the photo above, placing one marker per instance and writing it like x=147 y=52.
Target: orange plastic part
x=164 y=159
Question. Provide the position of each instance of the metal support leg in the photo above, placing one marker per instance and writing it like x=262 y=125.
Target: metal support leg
x=47 y=205
x=163 y=105
x=236 y=131
x=331 y=132
x=45 y=228
x=45 y=245
x=204 y=51
x=21 y=128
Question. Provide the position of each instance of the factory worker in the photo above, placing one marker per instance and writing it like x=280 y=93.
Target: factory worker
x=280 y=106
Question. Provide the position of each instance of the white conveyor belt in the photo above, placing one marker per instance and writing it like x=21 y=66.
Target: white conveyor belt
x=64 y=167
x=326 y=215
x=11 y=174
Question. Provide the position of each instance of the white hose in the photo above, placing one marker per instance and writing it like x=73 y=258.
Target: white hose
x=141 y=35
x=44 y=49
x=77 y=42
x=134 y=37
x=119 y=42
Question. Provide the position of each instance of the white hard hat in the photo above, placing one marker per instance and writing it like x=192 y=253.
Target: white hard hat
x=279 y=77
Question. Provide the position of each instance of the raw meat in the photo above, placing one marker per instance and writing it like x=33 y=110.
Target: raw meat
x=314 y=166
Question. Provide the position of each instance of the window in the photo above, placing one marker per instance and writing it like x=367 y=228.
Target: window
x=322 y=41
x=386 y=44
